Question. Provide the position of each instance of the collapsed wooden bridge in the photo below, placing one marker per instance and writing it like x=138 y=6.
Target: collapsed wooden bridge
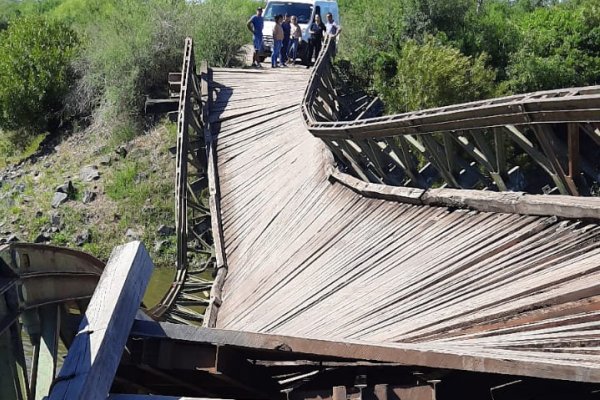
x=356 y=255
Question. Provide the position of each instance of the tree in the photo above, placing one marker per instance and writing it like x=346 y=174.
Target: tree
x=35 y=73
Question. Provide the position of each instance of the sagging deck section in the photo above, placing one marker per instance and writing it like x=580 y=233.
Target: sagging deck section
x=309 y=257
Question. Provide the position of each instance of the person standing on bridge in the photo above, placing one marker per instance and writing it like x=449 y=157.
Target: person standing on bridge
x=277 y=42
x=317 y=28
x=295 y=36
x=255 y=25
x=287 y=30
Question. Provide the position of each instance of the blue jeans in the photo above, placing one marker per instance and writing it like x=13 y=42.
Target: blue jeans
x=293 y=53
x=276 y=52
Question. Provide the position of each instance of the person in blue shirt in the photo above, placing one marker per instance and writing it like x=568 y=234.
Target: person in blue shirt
x=287 y=30
x=255 y=25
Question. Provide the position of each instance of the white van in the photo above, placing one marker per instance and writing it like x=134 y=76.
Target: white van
x=305 y=11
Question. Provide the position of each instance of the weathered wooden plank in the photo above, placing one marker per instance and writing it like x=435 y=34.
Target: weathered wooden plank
x=47 y=352
x=93 y=358
x=411 y=354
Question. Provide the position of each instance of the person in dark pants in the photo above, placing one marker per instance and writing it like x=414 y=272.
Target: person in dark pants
x=287 y=30
x=317 y=28
x=255 y=25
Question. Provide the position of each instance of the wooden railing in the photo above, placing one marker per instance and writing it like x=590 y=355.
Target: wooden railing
x=543 y=142
x=185 y=301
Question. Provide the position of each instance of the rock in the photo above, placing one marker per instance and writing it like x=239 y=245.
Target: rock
x=54 y=229
x=12 y=238
x=122 y=150
x=55 y=219
x=105 y=160
x=83 y=238
x=164 y=230
x=58 y=199
x=140 y=177
x=159 y=246
x=42 y=238
x=20 y=187
x=39 y=214
x=132 y=235
x=88 y=197
x=67 y=188
x=89 y=173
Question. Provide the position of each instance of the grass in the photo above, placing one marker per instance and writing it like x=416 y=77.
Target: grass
x=135 y=192
x=11 y=154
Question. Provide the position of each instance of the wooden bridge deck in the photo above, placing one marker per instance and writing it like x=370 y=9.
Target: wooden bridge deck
x=311 y=258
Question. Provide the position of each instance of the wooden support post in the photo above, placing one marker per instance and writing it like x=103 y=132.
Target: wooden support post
x=339 y=393
x=93 y=359
x=574 y=157
x=46 y=352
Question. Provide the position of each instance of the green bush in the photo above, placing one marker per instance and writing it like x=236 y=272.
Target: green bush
x=560 y=47
x=35 y=73
x=431 y=75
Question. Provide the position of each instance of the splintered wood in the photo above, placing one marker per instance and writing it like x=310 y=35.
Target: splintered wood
x=309 y=257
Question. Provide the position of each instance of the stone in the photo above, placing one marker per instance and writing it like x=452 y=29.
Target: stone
x=58 y=199
x=88 y=197
x=83 y=238
x=122 y=150
x=132 y=235
x=42 y=238
x=89 y=173
x=67 y=188
x=12 y=238
x=105 y=160
x=20 y=187
x=159 y=246
x=55 y=219
x=164 y=230
x=140 y=177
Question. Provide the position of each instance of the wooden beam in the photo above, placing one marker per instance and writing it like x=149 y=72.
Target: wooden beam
x=93 y=359
x=406 y=353
x=574 y=157
x=487 y=201
x=47 y=351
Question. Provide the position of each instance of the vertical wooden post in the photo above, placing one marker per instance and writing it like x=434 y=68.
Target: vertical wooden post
x=92 y=361
x=13 y=371
x=339 y=393
x=573 y=132
x=47 y=352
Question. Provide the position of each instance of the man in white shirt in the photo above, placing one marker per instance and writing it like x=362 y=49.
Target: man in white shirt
x=333 y=30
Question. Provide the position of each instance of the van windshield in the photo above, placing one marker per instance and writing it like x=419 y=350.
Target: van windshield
x=301 y=11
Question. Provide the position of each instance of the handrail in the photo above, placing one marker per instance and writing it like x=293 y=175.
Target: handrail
x=556 y=132
x=184 y=302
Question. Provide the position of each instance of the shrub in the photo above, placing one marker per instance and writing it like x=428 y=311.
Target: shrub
x=431 y=75
x=35 y=73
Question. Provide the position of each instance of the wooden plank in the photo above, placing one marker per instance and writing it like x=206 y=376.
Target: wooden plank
x=47 y=353
x=574 y=156
x=13 y=381
x=505 y=202
x=406 y=353
x=93 y=358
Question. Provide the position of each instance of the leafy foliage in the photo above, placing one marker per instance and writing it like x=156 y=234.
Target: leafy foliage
x=35 y=73
x=530 y=44
x=429 y=75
